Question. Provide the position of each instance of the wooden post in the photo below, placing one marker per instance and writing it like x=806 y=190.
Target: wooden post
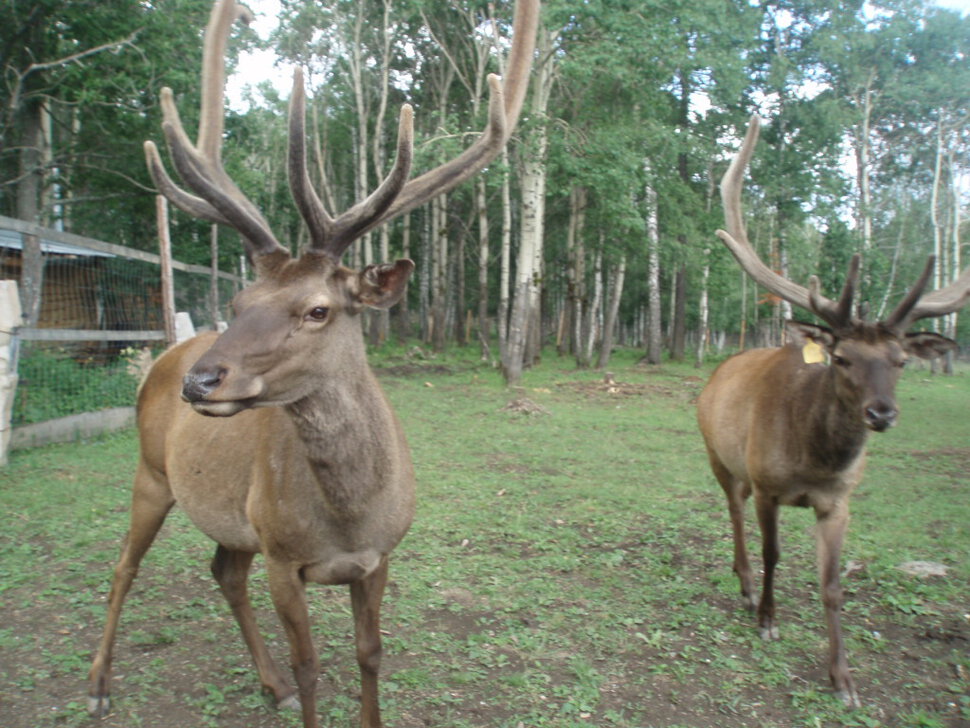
x=168 y=283
x=10 y=319
x=214 y=279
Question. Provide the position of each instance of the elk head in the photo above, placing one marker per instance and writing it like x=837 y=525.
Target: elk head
x=866 y=357
x=289 y=326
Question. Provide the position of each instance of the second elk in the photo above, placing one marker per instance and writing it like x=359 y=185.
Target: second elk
x=790 y=431
x=301 y=458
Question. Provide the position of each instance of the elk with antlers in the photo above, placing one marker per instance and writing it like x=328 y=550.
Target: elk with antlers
x=782 y=426
x=304 y=461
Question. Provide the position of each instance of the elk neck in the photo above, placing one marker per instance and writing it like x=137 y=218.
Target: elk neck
x=835 y=433
x=345 y=416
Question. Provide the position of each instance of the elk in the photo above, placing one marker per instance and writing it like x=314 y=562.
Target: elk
x=781 y=425
x=301 y=458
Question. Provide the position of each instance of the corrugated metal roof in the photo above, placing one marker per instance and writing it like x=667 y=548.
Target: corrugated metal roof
x=12 y=239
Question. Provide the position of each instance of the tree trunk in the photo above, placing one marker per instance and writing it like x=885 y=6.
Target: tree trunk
x=506 y=261
x=482 y=216
x=616 y=292
x=591 y=316
x=526 y=294
x=575 y=271
x=439 y=287
x=654 y=332
x=702 y=329
x=28 y=208
x=679 y=329
x=402 y=315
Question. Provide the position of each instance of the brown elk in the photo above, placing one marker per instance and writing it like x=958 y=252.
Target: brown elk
x=304 y=460
x=793 y=432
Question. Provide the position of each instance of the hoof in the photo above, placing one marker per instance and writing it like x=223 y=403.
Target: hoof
x=769 y=633
x=849 y=698
x=290 y=702
x=99 y=706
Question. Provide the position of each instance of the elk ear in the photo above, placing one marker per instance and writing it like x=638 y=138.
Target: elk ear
x=381 y=286
x=927 y=345
x=803 y=333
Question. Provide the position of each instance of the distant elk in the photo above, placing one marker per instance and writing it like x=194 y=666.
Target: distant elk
x=302 y=458
x=781 y=425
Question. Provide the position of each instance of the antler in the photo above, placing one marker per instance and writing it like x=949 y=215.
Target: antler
x=219 y=200
x=395 y=197
x=938 y=303
x=838 y=314
x=333 y=236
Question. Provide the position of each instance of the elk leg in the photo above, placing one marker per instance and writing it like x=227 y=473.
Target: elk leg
x=231 y=570
x=150 y=504
x=830 y=532
x=366 y=596
x=288 y=591
x=767 y=509
x=737 y=493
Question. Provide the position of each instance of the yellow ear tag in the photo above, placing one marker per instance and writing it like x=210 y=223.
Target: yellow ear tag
x=813 y=353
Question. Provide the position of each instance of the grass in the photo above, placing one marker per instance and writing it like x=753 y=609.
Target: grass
x=567 y=569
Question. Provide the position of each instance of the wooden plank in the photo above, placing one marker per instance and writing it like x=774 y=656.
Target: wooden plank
x=88 y=335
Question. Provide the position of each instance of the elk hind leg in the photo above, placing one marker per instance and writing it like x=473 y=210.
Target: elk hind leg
x=230 y=569
x=737 y=493
x=151 y=502
x=366 y=596
x=830 y=533
x=767 y=509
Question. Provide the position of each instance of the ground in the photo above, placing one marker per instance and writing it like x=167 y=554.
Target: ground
x=569 y=567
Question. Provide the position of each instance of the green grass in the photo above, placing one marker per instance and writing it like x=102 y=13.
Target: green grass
x=568 y=569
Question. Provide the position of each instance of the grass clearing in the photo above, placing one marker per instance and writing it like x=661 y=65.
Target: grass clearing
x=567 y=569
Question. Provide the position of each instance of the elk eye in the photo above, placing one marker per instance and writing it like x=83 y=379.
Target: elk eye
x=318 y=313
x=840 y=361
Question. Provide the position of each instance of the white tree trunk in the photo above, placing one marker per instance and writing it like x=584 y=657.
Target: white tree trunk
x=526 y=293
x=654 y=333
x=704 y=310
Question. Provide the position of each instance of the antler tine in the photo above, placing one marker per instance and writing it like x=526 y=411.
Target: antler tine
x=194 y=206
x=736 y=239
x=837 y=314
x=736 y=236
x=505 y=105
x=333 y=236
x=915 y=306
x=219 y=199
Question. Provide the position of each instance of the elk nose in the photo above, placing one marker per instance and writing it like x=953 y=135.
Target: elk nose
x=880 y=416
x=199 y=384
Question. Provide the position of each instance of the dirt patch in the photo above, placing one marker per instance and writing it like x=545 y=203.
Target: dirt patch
x=610 y=386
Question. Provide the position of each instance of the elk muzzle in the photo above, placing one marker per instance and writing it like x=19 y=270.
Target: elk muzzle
x=880 y=414
x=213 y=389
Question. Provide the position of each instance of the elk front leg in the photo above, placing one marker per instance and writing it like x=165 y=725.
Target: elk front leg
x=830 y=534
x=289 y=597
x=767 y=509
x=231 y=570
x=150 y=503
x=366 y=596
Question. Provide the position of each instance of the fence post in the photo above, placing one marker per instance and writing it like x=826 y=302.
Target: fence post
x=10 y=319
x=168 y=282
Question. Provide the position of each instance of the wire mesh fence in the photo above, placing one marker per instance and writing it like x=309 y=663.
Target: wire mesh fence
x=100 y=320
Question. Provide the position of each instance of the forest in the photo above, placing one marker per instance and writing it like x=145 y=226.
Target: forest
x=596 y=229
